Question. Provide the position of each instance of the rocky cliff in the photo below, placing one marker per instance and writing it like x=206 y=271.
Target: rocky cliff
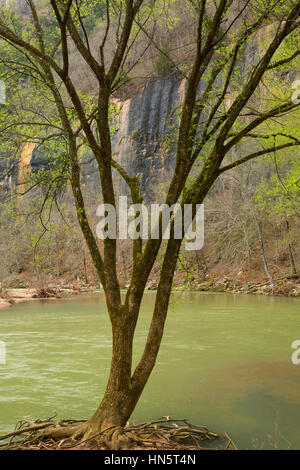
x=144 y=139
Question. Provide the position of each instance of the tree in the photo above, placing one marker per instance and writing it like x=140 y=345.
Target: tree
x=279 y=197
x=227 y=112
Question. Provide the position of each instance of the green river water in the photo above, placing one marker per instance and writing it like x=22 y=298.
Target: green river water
x=225 y=362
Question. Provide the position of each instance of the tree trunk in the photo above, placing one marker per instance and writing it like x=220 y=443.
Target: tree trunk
x=120 y=398
x=292 y=258
x=262 y=249
x=124 y=388
x=201 y=262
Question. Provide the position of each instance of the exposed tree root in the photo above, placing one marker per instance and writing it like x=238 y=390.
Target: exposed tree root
x=163 y=434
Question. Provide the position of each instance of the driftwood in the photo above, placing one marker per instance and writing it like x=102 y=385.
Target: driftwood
x=163 y=434
x=46 y=294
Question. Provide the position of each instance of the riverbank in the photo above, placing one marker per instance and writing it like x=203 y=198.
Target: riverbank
x=10 y=297
x=285 y=286
x=288 y=286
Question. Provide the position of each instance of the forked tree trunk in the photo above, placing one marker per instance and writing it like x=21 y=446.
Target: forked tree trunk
x=124 y=388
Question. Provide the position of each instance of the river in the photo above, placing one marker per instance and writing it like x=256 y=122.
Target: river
x=225 y=362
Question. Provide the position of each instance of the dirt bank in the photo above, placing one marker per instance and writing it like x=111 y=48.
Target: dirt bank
x=288 y=286
x=9 y=297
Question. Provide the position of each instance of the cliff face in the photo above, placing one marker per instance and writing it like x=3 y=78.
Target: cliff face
x=143 y=142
